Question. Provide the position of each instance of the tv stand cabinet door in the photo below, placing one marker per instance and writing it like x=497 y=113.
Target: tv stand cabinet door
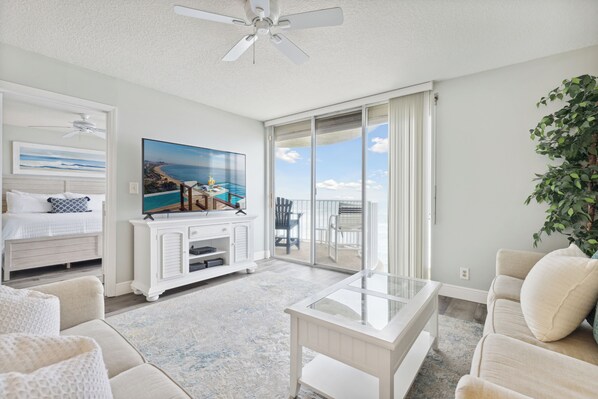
x=173 y=254
x=241 y=243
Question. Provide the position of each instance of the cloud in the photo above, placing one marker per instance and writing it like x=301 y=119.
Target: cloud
x=287 y=155
x=380 y=145
x=333 y=185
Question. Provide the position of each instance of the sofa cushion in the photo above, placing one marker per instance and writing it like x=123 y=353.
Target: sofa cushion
x=470 y=387
x=81 y=299
x=505 y=317
x=146 y=382
x=533 y=371
x=42 y=366
x=28 y=312
x=119 y=354
x=559 y=292
x=505 y=287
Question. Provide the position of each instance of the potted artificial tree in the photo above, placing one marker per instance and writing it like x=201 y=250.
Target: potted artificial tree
x=570 y=186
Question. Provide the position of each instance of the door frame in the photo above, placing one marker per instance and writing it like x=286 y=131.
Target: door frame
x=109 y=228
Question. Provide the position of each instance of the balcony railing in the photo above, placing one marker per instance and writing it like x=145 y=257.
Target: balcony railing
x=324 y=209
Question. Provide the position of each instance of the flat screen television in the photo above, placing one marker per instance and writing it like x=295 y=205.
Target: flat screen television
x=184 y=178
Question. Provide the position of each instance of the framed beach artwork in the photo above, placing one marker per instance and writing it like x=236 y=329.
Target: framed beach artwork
x=51 y=160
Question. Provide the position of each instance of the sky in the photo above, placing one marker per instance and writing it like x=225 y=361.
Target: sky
x=179 y=154
x=338 y=169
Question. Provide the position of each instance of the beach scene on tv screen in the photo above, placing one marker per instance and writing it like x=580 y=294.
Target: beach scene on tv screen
x=182 y=178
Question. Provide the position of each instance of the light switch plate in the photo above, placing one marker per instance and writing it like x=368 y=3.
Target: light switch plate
x=133 y=187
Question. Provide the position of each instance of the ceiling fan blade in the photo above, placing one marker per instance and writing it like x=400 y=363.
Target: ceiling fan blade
x=289 y=49
x=99 y=133
x=312 y=19
x=208 y=16
x=260 y=7
x=71 y=134
x=98 y=130
x=245 y=43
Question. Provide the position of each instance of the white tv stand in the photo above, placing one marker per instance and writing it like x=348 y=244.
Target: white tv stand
x=162 y=246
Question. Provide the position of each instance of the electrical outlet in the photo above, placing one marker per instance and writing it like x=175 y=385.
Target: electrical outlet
x=133 y=187
x=464 y=273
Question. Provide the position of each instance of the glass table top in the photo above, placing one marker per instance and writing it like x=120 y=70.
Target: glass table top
x=390 y=285
x=360 y=307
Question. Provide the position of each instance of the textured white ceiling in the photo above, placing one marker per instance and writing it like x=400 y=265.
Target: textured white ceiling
x=382 y=45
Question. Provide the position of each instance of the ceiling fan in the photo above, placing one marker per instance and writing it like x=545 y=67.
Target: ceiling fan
x=264 y=16
x=80 y=127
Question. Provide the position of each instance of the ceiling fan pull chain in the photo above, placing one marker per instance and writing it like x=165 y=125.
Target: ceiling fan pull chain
x=254 y=33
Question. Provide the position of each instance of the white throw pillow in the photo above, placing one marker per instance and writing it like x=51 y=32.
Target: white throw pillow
x=52 y=367
x=95 y=200
x=559 y=292
x=22 y=202
x=29 y=312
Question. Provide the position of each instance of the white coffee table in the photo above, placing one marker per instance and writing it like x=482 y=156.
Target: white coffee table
x=372 y=332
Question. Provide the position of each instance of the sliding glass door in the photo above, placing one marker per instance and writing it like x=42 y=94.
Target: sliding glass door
x=376 y=170
x=330 y=189
x=291 y=199
x=339 y=200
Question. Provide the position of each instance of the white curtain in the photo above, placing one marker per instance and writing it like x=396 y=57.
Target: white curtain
x=408 y=122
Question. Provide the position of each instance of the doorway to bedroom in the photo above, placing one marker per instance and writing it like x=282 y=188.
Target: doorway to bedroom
x=53 y=190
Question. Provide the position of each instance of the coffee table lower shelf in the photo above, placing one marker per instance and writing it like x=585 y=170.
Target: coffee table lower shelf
x=336 y=380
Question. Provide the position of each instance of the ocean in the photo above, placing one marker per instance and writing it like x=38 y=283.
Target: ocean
x=202 y=173
x=27 y=161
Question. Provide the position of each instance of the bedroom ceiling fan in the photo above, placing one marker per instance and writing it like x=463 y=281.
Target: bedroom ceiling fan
x=80 y=127
x=265 y=18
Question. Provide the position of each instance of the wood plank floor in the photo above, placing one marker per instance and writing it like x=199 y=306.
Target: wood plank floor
x=451 y=307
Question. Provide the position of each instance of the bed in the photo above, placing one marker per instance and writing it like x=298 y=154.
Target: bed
x=32 y=240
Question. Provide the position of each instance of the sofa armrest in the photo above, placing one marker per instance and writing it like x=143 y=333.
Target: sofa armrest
x=471 y=387
x=516 y=264
x=81 y=299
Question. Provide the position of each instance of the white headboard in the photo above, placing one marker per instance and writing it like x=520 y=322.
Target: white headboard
x=50 y=185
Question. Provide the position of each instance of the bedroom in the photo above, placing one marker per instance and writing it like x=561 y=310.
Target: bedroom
x=53 y=191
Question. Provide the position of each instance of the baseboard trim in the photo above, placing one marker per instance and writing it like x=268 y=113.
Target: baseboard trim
x=259 y=255
x=465 y=293
x=123 y=288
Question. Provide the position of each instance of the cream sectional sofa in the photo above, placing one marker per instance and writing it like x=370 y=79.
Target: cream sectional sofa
x=509 y=362
x=82 y=313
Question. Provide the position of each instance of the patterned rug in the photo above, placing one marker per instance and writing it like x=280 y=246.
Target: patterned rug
x=232 y=340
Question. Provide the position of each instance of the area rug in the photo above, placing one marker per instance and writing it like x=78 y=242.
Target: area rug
x=232 y=340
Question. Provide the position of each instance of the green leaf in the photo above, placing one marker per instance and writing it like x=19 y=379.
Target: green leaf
x=568 y=138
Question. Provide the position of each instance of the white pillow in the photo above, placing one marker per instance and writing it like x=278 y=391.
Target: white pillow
x=58 y=367
x=21 y=202
x=559 y=292
x=95 y=200
x=29 y=312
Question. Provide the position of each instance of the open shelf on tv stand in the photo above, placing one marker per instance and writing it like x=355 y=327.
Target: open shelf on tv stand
x=161 y=250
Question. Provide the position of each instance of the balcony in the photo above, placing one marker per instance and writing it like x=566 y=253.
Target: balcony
x=340 y=249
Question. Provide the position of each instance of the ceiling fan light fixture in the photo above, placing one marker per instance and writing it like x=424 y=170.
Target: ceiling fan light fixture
x=263 y=15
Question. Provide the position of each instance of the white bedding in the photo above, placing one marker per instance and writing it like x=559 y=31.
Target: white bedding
x=17 y=226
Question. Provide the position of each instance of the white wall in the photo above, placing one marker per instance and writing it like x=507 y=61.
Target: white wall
x=486 y=163
x=12 y=133
x=144 y=112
